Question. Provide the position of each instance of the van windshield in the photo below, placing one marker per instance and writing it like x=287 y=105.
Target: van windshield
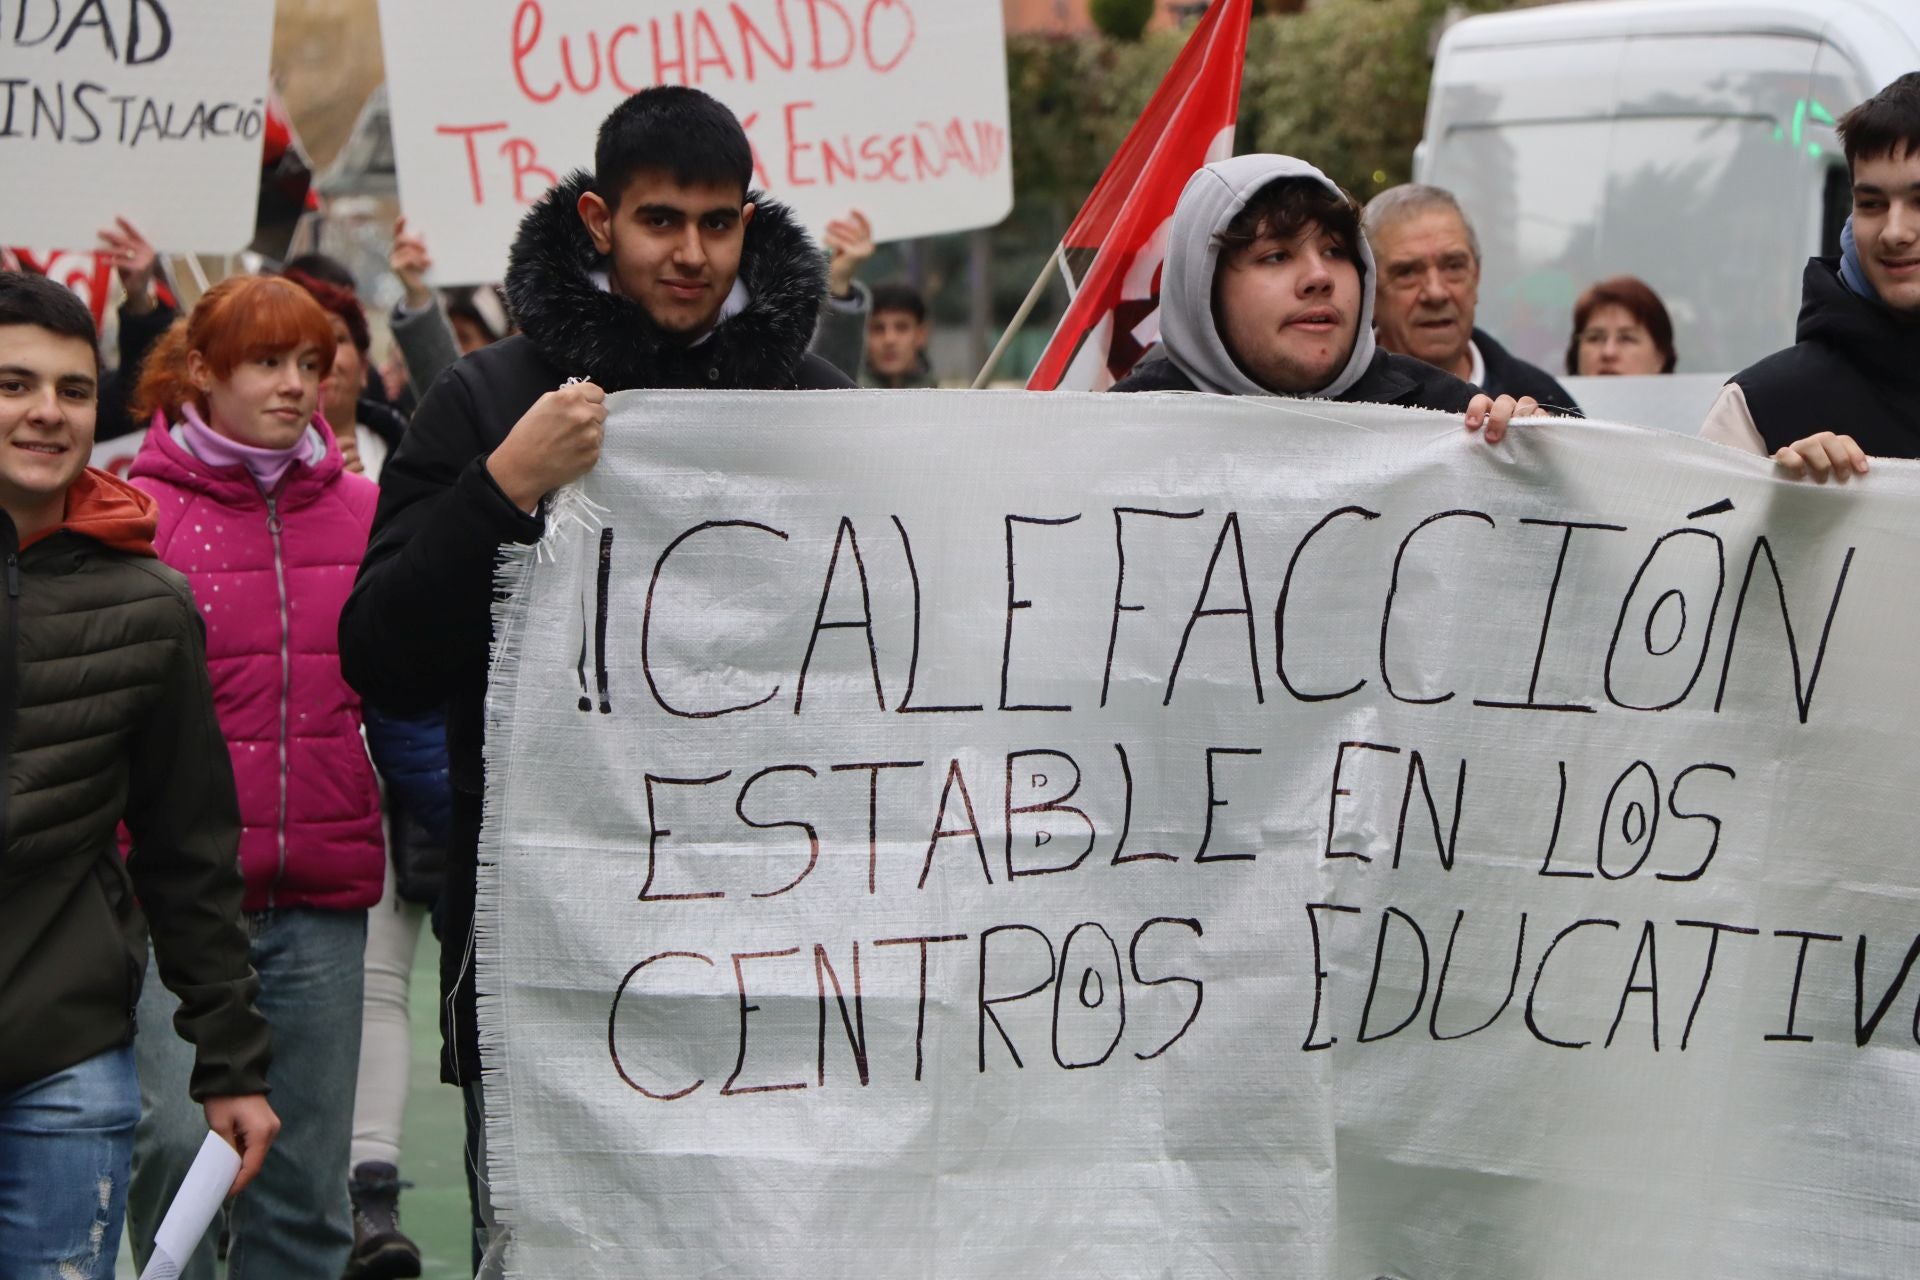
x=1692 y=204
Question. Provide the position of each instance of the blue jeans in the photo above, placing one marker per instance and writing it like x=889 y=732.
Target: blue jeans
x=293 y=1222
x=65 y=1144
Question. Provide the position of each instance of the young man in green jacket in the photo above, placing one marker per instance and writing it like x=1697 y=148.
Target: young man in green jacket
x=106 y=715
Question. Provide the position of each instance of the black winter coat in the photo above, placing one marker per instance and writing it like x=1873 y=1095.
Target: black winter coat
x=1509 y=375
x=383 y=419
x=1854 y=369
x=1389 y=379
x=415 y=633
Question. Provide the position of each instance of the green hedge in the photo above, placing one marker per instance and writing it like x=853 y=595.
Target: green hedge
x=1122 y=19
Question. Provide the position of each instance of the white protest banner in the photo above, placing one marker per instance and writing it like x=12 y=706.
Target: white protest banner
x=895 y=107
x=939 y=835
x=148 y=109
x=117 y=454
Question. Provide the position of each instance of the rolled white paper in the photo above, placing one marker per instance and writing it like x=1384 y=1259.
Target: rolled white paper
x=193 y=1207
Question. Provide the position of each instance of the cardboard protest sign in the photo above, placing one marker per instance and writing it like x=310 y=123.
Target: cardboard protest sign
x=937 y=835
x=895 y=107
x=151 y=109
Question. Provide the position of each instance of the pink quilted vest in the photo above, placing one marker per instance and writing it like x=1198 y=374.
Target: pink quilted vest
x=271 y=573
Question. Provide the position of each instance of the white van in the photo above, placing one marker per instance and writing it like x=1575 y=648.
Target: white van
x=1687 y=142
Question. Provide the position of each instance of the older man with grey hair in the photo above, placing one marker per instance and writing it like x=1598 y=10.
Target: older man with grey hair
x=1429 y=287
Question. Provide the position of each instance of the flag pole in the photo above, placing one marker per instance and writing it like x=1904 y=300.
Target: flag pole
x=1019 y=318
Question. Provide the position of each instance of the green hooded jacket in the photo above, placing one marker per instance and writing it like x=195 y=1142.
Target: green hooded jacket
x=106 y=713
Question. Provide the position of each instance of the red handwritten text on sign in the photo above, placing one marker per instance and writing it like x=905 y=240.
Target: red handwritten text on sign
x=897 y=108
x=725 y=43
x=707 y=46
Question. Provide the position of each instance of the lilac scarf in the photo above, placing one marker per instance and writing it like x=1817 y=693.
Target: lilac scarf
x=267 y=466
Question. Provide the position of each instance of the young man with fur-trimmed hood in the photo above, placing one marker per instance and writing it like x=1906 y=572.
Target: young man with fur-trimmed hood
x=1268 y=290
x=659 y=270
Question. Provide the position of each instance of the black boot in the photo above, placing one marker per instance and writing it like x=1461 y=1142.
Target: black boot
x=380 y=1251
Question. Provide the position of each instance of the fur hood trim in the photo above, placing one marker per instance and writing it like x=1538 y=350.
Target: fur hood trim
x=586 y=331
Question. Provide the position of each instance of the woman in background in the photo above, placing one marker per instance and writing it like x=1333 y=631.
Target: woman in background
x=1620 y=326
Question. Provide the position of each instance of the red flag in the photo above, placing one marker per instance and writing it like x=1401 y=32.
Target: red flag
x=1112 y=253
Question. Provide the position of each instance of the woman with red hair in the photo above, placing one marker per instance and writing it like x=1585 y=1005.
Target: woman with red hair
x=1620 y=326
x=260 y=514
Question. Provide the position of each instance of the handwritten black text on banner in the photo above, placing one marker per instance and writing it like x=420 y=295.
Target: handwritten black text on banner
x=1164 y=795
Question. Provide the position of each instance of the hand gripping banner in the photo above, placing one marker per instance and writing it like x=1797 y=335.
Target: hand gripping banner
x=956 y=835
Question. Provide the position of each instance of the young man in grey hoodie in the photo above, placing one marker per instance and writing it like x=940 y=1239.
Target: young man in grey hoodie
x=1268 y=290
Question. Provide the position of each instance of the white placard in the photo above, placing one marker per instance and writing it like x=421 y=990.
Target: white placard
x=895 y=107
x=1000 y=835
x=152 y=109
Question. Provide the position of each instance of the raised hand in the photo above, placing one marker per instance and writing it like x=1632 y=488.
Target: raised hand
x=135 y=259
x=409 y=260
x=849 y=242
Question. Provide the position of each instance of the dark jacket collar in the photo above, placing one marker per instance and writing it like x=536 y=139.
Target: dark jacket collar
x=1882 y=343
x=1388 y=379
x=382 y=419
x=1384 y=382
x=584 y=330
x=1492 y=354
x=920 y=376
x=1392 y=378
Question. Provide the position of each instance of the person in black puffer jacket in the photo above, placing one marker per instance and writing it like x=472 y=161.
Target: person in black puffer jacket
x=1849 y=387
x=717 y=287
